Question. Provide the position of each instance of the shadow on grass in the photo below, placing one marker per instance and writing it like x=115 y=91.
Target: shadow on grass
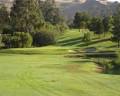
x=93 y=42
x=70 y=42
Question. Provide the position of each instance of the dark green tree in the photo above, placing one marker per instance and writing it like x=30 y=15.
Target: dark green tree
x=108 y=23
x=51 y=12
x=4 y=18
x=26 y=16
x=81 y=20
x=116 y=29
x=96 y=25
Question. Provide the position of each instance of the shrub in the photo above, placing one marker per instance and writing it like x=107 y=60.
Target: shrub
x=17 y=40
x=87 y=37
x=6 y=39
x=61 y=28
x=43 y=38
x=25 y=39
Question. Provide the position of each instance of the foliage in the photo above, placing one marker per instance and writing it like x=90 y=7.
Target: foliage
x=86 y=37
x=4 y=18
x=81 y=20
x=26 y=16
x=42 y=38
x=17 y=40
x=108 y=23
x=96 y=25
x=51 y=12
x=116 y=29
x=61 y=28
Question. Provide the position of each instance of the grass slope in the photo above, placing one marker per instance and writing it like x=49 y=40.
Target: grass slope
x=73 y=38
x=47 y=71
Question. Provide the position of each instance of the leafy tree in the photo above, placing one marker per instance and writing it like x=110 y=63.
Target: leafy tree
x=26 y=16
x=108 y=23
x=116 y=29
x=51 y=12
x=96 y=25
x=81 y=20
x=4 y=18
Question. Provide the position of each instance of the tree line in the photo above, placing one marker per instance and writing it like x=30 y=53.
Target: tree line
x=30 y=23
x=98 y=25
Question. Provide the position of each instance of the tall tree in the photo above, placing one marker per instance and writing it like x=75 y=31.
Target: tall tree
x=96 y=25
x=26 y=16
x=81 y=20
x=108 y=23
x=4 y=18
x=116 y=29
x=51 y=12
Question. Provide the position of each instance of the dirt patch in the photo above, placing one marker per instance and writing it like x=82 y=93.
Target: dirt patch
x=100 y=69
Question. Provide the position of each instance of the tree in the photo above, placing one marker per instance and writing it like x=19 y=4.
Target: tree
x=116 y=28
x=81 y=20
x=96 y=25
x=26 y=16
x=4 y=18
x=108 y=24
x=51 y=12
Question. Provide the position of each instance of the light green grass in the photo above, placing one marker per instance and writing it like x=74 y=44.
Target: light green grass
x=47 y=71
x=52 y=75
x=73 y=38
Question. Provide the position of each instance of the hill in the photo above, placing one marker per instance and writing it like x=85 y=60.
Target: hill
x=93 y=7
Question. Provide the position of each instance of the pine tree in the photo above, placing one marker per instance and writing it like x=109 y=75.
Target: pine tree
x=26 y=16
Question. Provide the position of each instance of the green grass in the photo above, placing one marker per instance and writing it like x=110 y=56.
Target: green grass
x=73 y=38
x=47 y=71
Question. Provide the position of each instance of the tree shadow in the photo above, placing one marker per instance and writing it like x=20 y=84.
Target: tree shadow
x=70 y=42
x=93 y=42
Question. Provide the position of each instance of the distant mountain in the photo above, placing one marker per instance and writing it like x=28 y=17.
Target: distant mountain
x=93 y=7
x=70 y=7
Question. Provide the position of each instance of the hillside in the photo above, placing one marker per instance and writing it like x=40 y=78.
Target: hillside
x=73 y=38
x=93 y=7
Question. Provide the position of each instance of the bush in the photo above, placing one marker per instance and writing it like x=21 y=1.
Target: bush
x=17 y=40
x=25 y=39
x=87 y=37
x=61 y=28
x=43 y=38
